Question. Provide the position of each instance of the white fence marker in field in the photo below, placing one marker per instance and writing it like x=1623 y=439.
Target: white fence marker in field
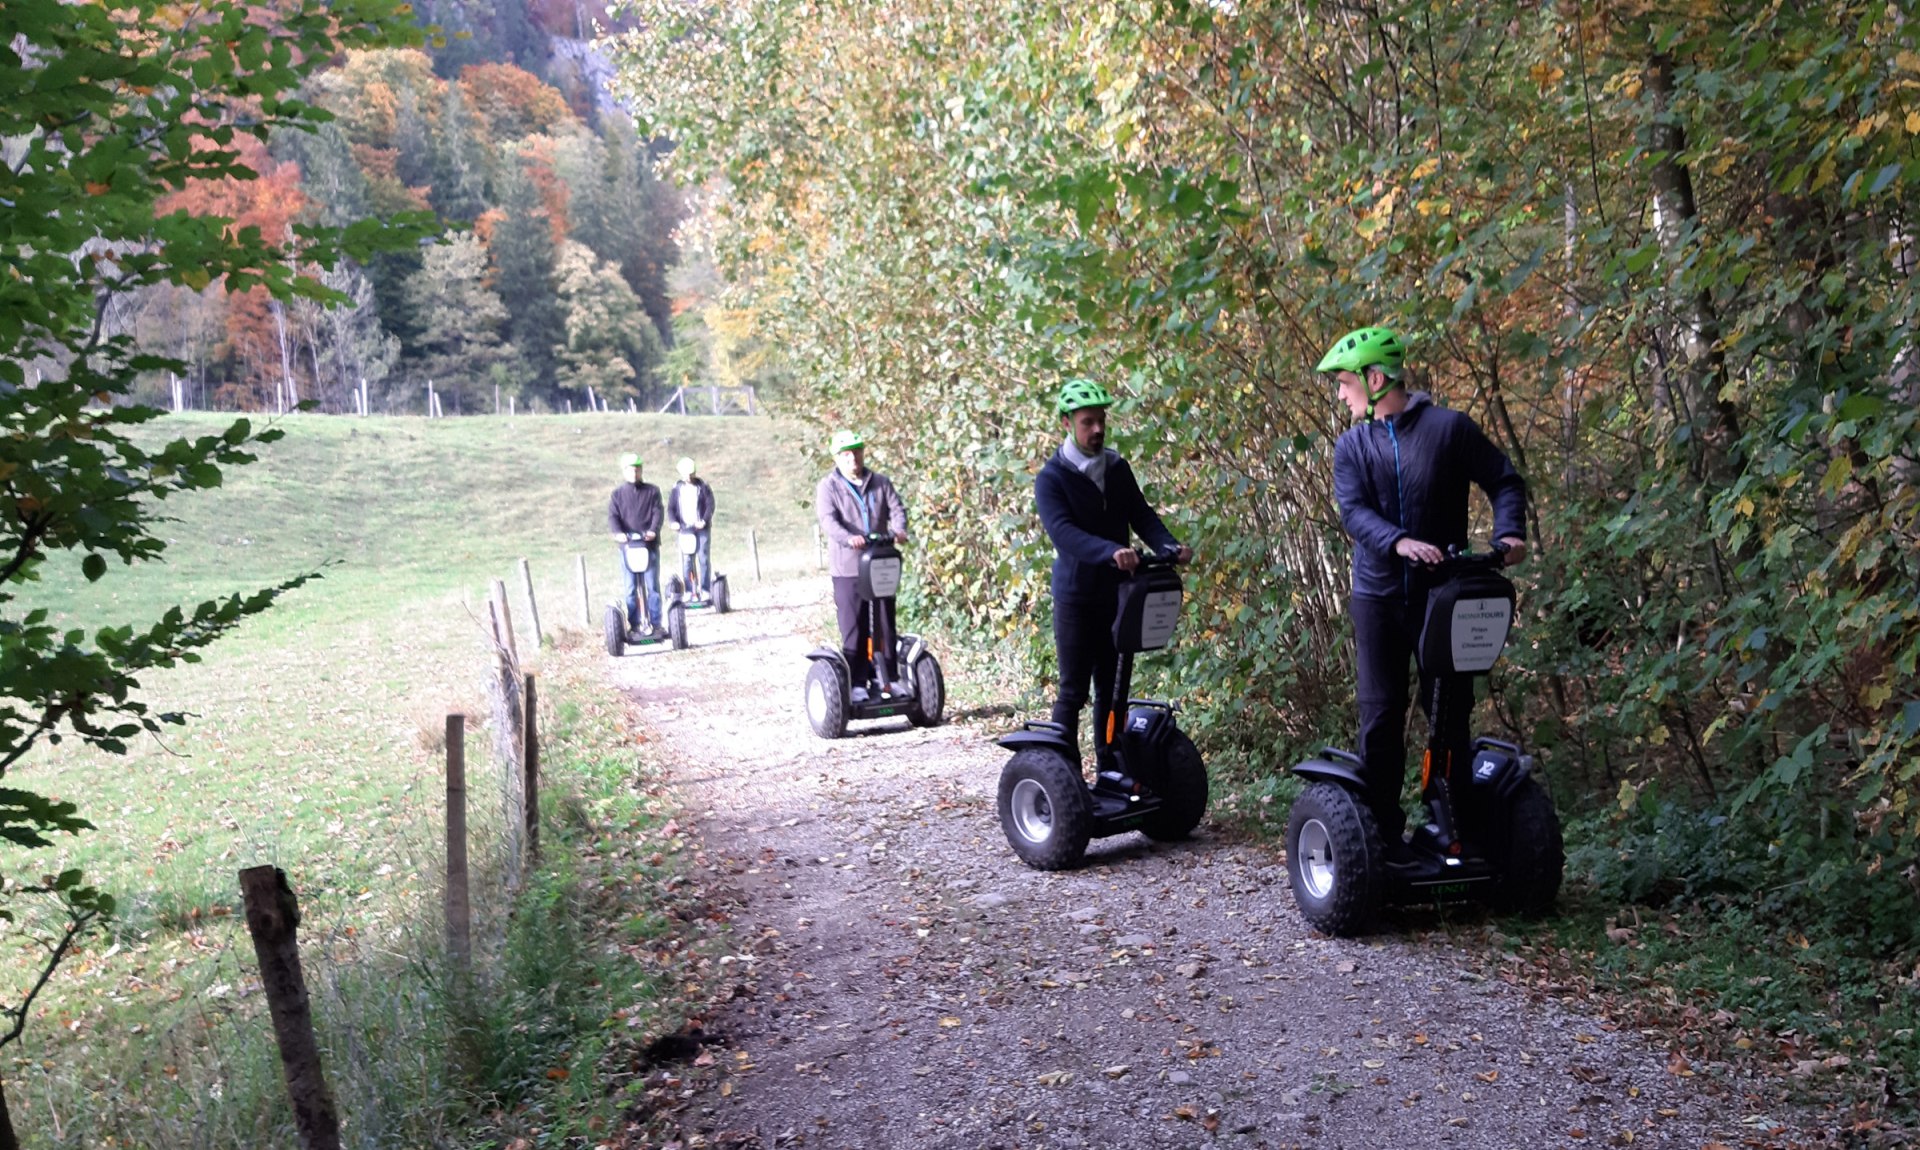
x=753 y=549
x=586 y=600
x=533 y=605
x=505 y=619
x=819 y=550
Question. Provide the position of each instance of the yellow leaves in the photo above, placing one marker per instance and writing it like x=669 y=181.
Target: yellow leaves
x=1913 y=123
x=1907 y=62
x=1875 y=696
x=1546 y=75
x=1425 y=168
x=1824 y=175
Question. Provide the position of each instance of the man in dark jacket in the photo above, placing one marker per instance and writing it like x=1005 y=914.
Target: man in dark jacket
x=1088 y=500
x=633 y=516
x=1401 y=478
x=852 y=503
x=690 y=509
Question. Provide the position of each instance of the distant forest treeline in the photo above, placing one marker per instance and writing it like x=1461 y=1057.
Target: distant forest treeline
x=552 y=280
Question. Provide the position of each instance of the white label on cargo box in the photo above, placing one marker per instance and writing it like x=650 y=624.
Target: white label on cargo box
x=1480 y=632
x=884 y=574
x=1157 y=616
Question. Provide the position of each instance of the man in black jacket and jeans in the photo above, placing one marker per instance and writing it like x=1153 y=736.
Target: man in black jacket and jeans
x=633 y=516
x=1401 y=478
x=1088 y=500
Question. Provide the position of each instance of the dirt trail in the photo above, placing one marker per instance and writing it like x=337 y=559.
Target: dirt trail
x=903 y=981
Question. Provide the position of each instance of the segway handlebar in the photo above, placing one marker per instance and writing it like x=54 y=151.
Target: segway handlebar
x=1464 y=559
x=881 y=537
x=1150 y=559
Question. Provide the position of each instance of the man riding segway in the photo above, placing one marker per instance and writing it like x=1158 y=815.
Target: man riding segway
x=852 y=503
x=1401 y=479
x=690 y=509
x=1088 y=500
x=633 y=517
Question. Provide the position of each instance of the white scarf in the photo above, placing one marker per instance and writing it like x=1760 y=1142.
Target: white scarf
x=1094 y=467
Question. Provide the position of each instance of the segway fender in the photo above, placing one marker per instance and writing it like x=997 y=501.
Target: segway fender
x=1040 y=735
x=1329 y=770
x=911 y=648
x=829 y=655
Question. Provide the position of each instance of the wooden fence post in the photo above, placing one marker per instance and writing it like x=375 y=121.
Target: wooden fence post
x=586 y=599
x=505 y=620
x=459 y=908
x=753 y=549
x=819 y=550
x=273 y=916
x=533 y=605
x=531 y=767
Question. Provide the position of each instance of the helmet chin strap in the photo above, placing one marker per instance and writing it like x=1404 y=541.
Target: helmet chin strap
x=1374 y=397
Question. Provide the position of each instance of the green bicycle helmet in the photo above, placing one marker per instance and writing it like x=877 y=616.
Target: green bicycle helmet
x=1078 y=393
x=1364 y=348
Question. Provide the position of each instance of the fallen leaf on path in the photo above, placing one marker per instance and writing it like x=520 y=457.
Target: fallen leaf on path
x=949 y=1022
x=1489 y=1076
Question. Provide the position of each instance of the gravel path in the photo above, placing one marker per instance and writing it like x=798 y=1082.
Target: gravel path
x=902 y=981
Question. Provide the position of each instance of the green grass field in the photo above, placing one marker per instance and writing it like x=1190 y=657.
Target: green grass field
x=312 y=744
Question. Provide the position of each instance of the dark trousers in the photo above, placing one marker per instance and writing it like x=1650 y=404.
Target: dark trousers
x=1083 y=644
x=856 y=628
x=1385 y=633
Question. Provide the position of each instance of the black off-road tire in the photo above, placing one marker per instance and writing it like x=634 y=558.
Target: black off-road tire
x=826 y=699
x=1338 y=874
x=677 y=626
x=929 y=693
x=1184 y=799
x=722 y=602
x=1528 y=854
x=1044 y=809
x=675 y=588
x=616 y=621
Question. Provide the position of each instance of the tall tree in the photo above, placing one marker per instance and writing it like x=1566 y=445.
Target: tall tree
x=524 y=254
x=461 y=346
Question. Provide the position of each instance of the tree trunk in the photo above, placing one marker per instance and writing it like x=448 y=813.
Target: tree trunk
x=1703 y=376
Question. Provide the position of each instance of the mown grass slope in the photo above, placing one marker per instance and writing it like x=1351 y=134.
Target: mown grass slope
x=313 y=739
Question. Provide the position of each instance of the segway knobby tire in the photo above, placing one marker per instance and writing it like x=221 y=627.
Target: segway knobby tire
x=1184 y=799
x=722 y=602
x=1044 y=809
x=616 y=631
x=929 y=693
x=827 y=701
x=677 y=626
x=1335 y=859
x=1530 y=856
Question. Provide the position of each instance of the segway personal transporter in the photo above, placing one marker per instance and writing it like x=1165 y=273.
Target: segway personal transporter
x=619 y=641
x=906 y=678
x=686 y=585
x=1158 y=785
x=1494 y=834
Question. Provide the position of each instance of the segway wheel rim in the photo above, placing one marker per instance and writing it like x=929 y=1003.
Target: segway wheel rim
x=1318 y=871
x=1032 y=813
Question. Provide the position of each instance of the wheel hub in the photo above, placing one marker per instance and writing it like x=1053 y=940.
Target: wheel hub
x=1032 y=811
x=817 y=702
x=1314 y=851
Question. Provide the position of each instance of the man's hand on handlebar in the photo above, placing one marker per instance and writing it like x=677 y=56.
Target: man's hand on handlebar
x=856 y=541
x=1410 y=548
x=1185 y=554
x=1126 y=559
x=899 y=536
x=1516 y=550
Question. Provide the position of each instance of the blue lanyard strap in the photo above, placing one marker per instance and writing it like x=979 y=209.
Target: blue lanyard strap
x=866 y=508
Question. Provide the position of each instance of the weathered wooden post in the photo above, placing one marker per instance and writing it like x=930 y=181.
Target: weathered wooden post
x=533 y=605
x=819 y=550
x=273 y=917
x=586 y=600
x=459 y=908
x=505 y=620
x=530 y=761
x=753 y=549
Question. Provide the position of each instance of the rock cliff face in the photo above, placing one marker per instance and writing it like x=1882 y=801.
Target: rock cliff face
x=585 y=64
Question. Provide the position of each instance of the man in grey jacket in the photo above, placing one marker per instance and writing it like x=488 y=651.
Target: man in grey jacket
x=852 y=503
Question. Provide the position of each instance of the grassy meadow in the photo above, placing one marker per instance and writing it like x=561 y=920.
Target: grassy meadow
x=315 y=741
